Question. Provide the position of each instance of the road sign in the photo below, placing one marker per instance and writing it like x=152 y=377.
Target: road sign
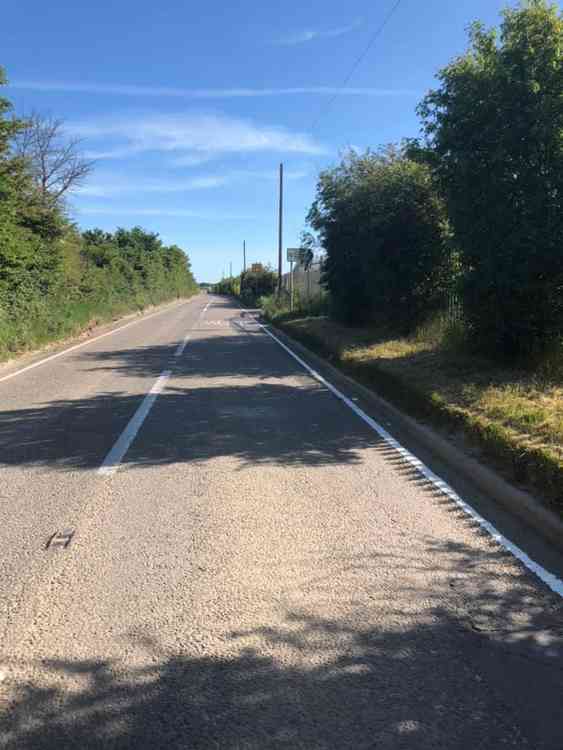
x=293 y=254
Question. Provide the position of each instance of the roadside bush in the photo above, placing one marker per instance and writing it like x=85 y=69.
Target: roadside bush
x=273 y=307
x=95 y=281
x=383 y=226
x=55 y=281
x=257 y=283
x=250 y=286
x=277 y=307
x=229 y=286
x=494 y=135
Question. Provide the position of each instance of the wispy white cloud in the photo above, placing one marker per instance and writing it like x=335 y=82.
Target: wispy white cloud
x=223 y=93
x=140 y=212
x=302 y=37
x=191 y=160
x=108 y=185
x=188 y=136
x=268 y=175
x=118 y=152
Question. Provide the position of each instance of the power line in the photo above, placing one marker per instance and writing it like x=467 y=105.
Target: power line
x=375 y=36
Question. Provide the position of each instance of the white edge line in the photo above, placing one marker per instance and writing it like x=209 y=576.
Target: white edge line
x=550 y=579
x=113 y=459
x=85 y=343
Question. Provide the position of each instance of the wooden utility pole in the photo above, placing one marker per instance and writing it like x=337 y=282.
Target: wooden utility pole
x=280 y=230
x=244 y=256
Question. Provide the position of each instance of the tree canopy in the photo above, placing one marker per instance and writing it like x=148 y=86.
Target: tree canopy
x=494 y=133
x=382 y=225
x=55 y=279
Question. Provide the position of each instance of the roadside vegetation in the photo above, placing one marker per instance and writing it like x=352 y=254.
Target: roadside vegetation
x=55 y=280
x=250 y=286
x=443 y=262
x=513 y=416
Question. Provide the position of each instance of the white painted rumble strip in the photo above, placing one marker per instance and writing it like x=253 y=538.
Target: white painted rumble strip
x=182 y=345
x=85 y=343
x=551 y=580
x=113 y=459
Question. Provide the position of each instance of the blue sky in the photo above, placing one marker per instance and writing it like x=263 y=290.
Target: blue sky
x=188 y=108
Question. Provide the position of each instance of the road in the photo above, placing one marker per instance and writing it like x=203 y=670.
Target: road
x=251 y=565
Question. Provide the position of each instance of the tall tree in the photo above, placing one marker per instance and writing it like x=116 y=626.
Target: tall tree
x=24 y=262
x=383 y=227
x=495 y=129
x=53 y=159
x=9 y=127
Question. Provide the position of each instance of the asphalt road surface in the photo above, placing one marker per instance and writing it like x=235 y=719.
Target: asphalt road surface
x=249 y=565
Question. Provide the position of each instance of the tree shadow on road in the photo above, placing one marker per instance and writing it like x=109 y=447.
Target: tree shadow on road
x=209 y=353
x=230 y=395
x=358 y=678
x=256 y=424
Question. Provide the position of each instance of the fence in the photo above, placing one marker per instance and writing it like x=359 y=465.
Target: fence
x=307 y=289
x=306 y=282
x=454 y=308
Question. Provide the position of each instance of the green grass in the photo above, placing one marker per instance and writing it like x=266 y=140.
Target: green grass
x=58 y=319
x=279 y=308
x=514 y=416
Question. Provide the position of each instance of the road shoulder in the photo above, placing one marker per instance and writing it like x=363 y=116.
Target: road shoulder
x=518 y=502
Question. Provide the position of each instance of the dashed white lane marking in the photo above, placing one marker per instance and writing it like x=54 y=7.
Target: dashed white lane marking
x=550 y=579
x=182 y=345
x=113 y=459
x=84 y=343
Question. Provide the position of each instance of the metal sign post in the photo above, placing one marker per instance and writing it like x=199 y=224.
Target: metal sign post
x=293 y=257
x=291 y=286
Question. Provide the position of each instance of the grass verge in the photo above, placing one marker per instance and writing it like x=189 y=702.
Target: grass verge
x=513 y=418
x=57 y=323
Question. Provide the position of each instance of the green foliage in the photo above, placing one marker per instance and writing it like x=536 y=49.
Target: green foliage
x=277 y=307
x=273 y=306
x=494 y=137
x=95 y=279
x=250 y=286
x=229 y=286
x=257 y=283
x=8 y=126
x=53 y=280
x=383 y=227
x=138 y=266
x=308 y=244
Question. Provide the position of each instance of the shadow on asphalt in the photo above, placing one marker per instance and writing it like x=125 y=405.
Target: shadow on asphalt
x=455 y=680
x=480 y=668
x=229 y=396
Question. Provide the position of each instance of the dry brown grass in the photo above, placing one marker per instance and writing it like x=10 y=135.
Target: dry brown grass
x=515 y=415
